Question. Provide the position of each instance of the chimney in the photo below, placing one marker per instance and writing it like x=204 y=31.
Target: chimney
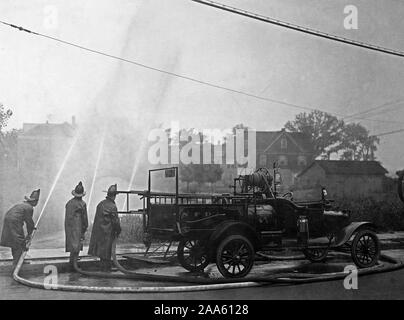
x=74 y=121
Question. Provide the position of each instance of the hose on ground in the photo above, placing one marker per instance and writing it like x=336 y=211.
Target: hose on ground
x=281 y=258
x=198 y=284
x=130 y=274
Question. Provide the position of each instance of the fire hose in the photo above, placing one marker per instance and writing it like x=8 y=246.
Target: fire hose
x=200 y=284
x=261 y=178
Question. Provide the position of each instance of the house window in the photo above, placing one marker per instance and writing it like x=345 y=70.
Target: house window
x=301 y=161
x=263 y=160
x=284 y=143
x=283 y=161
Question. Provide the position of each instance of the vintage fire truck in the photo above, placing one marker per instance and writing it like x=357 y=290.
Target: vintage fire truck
x=229 y=229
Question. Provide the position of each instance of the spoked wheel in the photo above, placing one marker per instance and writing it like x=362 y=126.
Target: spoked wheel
x=235 y=256
x=316 y=254
x=365 y=249
x=192 y=255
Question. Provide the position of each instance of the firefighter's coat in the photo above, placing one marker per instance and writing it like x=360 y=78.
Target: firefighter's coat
x=106 y=228
x=76 y=224
x=13 y=227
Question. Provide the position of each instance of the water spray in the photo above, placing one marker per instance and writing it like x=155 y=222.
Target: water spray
x=96 y=167
x=135 y=167
x=66 y=158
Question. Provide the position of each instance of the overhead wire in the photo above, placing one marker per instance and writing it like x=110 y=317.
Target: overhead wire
x=383 y=134
x=299 y=28
x=387 y=105
x=188 y=78
x=312 y=32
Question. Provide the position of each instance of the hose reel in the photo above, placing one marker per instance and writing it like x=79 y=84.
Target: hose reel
x=261 y=179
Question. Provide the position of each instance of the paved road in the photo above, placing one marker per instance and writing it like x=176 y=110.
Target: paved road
x=379 y=286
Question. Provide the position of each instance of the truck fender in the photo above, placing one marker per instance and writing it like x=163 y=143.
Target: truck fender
x=233 y=227
x=346 y=233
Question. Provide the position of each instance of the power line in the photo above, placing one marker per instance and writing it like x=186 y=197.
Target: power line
x=194 y=80
x=158 y=69
x=385 y=111
x=298 y=28
x=392 y=103
x=388 y=133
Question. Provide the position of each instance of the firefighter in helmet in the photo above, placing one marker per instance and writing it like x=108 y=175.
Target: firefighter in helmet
x=106 y=228
x=13 y=235
x=76 y=223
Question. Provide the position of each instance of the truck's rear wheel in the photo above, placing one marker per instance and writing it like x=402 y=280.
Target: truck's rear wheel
x=192 y=255
x=235 y=256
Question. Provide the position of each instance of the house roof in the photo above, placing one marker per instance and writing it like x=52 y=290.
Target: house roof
x=266 y=138
x=49 y=130
x=348 y=167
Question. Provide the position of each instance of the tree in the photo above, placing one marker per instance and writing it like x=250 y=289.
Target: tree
x=4 y=116
x=214 y=173
x=331 y=135
x=5 y=138
x=357 y=144
x=324 y=129
x=200 y=174
x=186 y=174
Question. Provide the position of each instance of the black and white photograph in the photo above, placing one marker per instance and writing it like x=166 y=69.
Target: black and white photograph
x=201 y=154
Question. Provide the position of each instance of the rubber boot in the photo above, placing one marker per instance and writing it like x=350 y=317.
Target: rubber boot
x=73 y=256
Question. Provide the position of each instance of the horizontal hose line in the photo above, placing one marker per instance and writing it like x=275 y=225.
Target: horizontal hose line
x=199 y=284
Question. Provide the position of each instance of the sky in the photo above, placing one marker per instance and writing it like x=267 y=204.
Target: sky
x=43 y=80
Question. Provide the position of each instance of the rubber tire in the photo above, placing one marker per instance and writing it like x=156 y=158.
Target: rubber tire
x=310 y=257
x=360 y=234
x=221 y=247
x=183 y=262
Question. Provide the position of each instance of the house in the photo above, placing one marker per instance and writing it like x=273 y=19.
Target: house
x=292 y=151
x=344 y=179
x=42 y=146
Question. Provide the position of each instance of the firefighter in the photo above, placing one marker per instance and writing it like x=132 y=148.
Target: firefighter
x=106 y=228
x=13 y=235
x=76 y=223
